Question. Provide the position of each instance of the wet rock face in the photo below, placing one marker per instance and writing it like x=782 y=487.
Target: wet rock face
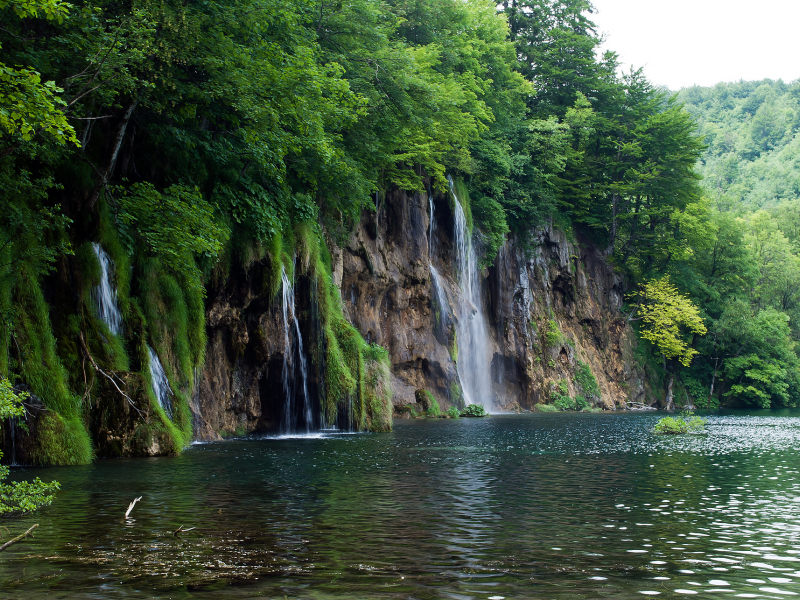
x=562 y=285
x=240 y=387
x=547 y=312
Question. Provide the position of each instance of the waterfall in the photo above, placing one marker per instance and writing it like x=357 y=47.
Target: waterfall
x=289 y=370
x=473 y=342
x=161 y=387
x=440 y=299
x=431 y=226
x=105 y=294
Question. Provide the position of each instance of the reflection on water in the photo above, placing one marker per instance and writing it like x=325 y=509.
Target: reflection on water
x=550 y=506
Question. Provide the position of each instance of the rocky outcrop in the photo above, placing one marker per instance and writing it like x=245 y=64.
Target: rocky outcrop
x=549 y=310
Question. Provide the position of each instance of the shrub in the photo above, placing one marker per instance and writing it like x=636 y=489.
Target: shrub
x=545 y=408
x=552 y=335
x=453 y=412
x=474 y=410
x=586 y=380
x=686 y=423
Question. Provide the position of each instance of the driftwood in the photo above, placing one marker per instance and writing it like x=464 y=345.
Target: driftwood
x=639 y=406
x=19 y=538
x=182 y=530
x=131 y=505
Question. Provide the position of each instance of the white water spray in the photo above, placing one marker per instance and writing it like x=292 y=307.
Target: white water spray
x=473 y=341
x=161 y=387
x=289 y=381
x=105 y=294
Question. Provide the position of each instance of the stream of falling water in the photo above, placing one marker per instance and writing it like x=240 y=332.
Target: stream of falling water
x=473 y=342
x=105 y=294
x=289 y=375
x=161 y=387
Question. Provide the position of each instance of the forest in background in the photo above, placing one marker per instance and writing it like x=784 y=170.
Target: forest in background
x=194 y=140
x=743 y=271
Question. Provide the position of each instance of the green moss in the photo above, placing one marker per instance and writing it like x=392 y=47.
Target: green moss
x=456 y=395
x=546 y=408
x=60 y=441
x=61 y=437
x=453 y=348
x=378 y=387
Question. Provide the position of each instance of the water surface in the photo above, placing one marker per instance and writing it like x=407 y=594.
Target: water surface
x=529 y=506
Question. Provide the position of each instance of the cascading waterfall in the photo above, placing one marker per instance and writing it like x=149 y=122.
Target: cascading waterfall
x=289 y=378
x=161 y=387
x=436 y=279
x=105 y=294
x=473 y=342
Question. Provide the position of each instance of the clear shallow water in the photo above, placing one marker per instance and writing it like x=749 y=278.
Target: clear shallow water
x=528 y=506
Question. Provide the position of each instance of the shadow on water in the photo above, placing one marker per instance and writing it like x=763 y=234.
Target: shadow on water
x=543 y=505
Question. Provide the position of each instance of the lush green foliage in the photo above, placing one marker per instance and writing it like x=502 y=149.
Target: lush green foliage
x=474 y=410
x=453 y=412
x=559 y=394
x=20 y=496
x=677 y=425
x=586 y=381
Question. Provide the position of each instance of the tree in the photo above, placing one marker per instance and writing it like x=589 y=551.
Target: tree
x=667 y=317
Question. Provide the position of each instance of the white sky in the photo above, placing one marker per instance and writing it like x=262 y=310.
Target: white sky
x=686 y=42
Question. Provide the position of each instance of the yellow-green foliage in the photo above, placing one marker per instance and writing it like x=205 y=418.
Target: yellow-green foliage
x=663 y=311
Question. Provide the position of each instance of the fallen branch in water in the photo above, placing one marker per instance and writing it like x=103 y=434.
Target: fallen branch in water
x=18 y=538
x=182 y=530
x=131 y=505
x=640 y=406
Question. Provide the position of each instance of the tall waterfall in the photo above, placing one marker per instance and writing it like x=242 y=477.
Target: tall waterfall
x=161 y=387
x=293 y=347
x=473 y=342
x=439 y=297
x=105 y=294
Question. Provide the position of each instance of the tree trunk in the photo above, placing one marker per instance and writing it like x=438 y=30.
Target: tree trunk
x=108 y=168
x=670 y=400
x=612 y=234
x=713 y=380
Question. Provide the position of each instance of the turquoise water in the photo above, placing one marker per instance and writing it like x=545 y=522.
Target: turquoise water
x=517 y=506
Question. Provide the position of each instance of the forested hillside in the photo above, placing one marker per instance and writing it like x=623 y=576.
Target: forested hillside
x=195 y=140
x=751 y=130
x=743 y=267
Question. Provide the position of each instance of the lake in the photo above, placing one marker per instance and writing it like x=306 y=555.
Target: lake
x=515 y=506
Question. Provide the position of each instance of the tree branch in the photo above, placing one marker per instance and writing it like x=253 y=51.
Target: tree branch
x=19 y=538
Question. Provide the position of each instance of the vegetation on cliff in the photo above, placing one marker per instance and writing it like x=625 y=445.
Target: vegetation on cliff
x=195 y=140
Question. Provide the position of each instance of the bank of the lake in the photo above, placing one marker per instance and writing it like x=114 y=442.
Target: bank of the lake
x=517 y=506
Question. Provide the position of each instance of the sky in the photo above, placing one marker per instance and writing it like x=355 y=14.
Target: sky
x=681 y=43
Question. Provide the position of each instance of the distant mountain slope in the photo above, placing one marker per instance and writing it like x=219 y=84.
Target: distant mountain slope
x=751 y=128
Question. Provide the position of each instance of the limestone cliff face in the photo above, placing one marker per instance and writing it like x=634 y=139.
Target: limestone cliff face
x=563 y=287
x=384 y=274
x=240 y=388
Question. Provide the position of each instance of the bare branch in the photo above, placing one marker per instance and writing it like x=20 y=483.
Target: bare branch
x=19 y=538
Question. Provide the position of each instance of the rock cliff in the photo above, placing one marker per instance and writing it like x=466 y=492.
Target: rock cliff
x=549 y=311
